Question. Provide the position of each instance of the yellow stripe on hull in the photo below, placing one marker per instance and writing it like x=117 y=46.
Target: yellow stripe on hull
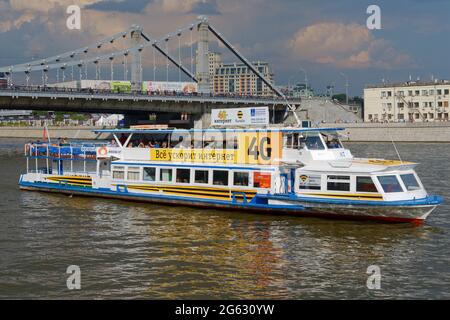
x=203 y=193
x=353 y=196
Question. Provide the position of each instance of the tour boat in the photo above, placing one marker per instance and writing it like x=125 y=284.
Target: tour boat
x=288 y=171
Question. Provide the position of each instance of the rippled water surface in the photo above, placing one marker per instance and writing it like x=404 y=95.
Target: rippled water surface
x=128 y=250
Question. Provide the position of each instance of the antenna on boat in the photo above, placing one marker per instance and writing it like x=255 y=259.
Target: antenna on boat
x=395 y=147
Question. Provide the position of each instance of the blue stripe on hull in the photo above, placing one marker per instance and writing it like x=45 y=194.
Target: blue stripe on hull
x=260 y=205
x=303 y=207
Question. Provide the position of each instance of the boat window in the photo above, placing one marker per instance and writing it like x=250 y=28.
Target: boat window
x=338 y=183
x=201 y=176
x=165 y=175
x=220 y=178
x=410 y=182
x=288 y=141
x=261 y=180
x=312 y=142
x=365 y=184
x=339 y=178
x=149 y=174
x=183 y=175
x=241 y=178
x=295 y=140
x=118 y=173
x=310 y=182
x=338 y=186
x=390 y=184
x=133 y=173
x=332 y=141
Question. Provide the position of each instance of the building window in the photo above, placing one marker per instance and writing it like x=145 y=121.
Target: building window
x=400 y=116
x=220 y=178
x=383 y=94
x=424 y=92
x=201 y=176
x=165 y=175
x=262 y=180
x=118 y=173
x=183 y=175
x=400 y=104
x=389 y=93
x=150 y=174
x=446 y=91
x=133 y=173
x=241 y=178
x=410 y=93
x=439 y=92
x=365 y=184
x=417 y=92
x=390 y=184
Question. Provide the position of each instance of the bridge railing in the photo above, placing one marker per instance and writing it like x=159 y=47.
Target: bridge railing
x=155 y=94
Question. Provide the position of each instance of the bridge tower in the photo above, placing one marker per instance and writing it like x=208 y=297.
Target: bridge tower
x=203 y=56
x=136 y=62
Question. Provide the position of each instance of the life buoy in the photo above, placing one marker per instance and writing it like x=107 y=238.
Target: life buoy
x=103 y=151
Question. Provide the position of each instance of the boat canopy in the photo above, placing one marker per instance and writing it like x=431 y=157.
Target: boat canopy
x=165 y=131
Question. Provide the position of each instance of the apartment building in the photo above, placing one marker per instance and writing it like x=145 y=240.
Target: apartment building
x=411 y=101
x=237 y=78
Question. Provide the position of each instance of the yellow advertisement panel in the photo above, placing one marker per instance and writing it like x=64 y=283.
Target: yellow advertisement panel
x=194 y=155
x=263 y=148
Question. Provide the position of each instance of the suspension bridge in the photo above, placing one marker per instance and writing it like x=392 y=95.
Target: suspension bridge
x=44 y=84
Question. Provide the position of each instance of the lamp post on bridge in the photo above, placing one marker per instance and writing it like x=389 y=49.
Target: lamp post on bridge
x=306 y=78
x=346 y=87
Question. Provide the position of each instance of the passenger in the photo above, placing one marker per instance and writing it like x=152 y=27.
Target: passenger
x=130 y=145
x=113 y=143
x=164 y=145
x=123 y=139
x=156 y=144
x=141 y=144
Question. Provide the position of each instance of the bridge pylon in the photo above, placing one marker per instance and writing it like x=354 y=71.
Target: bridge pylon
x=136 y=61
x=202 y=67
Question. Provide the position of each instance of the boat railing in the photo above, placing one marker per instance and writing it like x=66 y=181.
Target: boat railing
x=72 y=151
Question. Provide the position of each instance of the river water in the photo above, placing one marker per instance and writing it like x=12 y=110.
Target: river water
x=127 y=250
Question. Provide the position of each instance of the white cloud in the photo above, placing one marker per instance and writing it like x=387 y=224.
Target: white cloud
x=345 y=45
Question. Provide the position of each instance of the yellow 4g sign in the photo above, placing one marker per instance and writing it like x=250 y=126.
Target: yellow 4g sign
x=260 y=147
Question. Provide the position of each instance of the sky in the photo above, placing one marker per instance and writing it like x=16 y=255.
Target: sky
x=325 y=38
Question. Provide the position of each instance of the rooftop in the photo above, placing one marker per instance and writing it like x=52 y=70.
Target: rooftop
x=409 y=84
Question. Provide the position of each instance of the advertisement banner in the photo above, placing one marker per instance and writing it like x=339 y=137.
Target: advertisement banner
x=240 y=116
x=194 y=155
x=161 y=86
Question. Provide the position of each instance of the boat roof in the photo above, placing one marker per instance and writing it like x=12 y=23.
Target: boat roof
x=217 y=130
x=361 y=165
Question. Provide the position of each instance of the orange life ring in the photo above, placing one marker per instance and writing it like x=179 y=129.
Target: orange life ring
x=103 y=151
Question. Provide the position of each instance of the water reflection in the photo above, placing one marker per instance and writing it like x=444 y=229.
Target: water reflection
x=148 y=251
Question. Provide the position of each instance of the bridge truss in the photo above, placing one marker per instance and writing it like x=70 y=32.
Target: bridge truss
x=94 y=55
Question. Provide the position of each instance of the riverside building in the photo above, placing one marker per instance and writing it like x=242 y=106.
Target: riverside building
x=411 y=101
